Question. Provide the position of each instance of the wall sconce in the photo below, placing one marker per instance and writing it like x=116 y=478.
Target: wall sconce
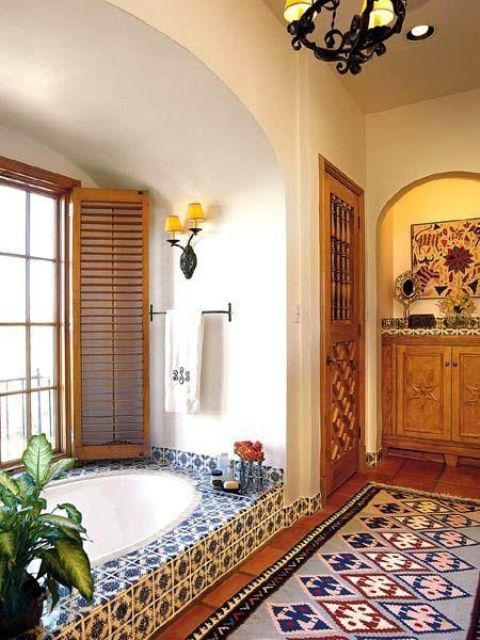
x=188 y=259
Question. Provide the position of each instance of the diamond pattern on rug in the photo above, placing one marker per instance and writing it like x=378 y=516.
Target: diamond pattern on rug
x=391 y=508
x=378 y=522
x=398 y=494
x=324 y=587
x=293 y=618
x=407 y=541
x=359 y=616
x=443 y=561
x=419 y=523
x=461 y=506
x=427 y=506
x=394 y=562
x=339 y=562
x=364 y=540
x=456 y=521
x=432 y=587
x=451 y=539
x=379 y=586
x=421 y=618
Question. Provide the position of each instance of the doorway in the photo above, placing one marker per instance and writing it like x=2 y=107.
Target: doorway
x=342 y=318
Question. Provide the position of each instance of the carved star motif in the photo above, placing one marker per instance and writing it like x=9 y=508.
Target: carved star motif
x=423 y=392
x=474 y=392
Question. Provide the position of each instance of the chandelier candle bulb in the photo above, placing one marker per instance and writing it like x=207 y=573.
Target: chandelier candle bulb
x=294 y=9
x=382 y=14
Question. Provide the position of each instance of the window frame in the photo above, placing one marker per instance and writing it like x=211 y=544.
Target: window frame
x=35 y=180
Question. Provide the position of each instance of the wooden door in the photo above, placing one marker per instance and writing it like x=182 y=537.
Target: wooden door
x=342 y=319
x=424 y=392
x=466 y=395
x=110 y=289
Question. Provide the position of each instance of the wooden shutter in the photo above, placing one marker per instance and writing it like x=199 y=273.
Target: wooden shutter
x=110 y=285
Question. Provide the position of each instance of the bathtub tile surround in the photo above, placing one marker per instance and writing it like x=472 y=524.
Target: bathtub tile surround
x=139 y=592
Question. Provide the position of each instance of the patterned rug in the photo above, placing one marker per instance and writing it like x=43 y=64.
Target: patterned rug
x=392 y=564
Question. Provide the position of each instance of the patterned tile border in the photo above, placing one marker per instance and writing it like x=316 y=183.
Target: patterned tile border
x=374 y=458
x=138 y=593
x=396 y=327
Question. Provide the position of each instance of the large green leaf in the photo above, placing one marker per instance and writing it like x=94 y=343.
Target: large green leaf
x=7 y=544
x=59 y=468
x=53 y=589
x=37 y=457
x=3 y=575
x=51 y=566
x=73 y=513
x=76 y=565
x=9 y=484
x=59 y=521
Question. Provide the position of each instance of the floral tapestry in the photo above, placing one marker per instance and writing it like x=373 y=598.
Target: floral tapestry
x=446 y=257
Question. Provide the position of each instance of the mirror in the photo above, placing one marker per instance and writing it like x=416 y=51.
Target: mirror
x=406 y=290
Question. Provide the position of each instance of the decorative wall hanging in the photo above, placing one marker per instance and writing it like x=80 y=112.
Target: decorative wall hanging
x=446 y=257
x=376 y=22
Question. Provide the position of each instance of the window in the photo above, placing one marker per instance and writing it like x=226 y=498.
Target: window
x=33 y=308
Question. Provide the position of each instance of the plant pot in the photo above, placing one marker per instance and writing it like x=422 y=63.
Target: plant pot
x=29 y=617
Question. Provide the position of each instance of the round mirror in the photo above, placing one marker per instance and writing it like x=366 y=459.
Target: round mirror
x=406 y=289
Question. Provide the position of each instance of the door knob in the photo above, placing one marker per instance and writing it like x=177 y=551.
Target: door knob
x=447 y=364
x=455 y=364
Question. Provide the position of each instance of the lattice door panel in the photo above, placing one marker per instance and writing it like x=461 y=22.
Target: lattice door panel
x=341 y=253
x=111 y=327
x=344 y=401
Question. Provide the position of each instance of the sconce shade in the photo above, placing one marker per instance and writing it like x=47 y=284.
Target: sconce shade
x=173 y=224
x=294 y=9
x=195 y=212
x=383 y=13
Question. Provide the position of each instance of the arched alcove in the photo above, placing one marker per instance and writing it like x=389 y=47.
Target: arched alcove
x=436 y=198
x=135 y=109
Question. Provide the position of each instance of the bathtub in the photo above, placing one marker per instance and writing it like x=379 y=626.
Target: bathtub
x=125 y=510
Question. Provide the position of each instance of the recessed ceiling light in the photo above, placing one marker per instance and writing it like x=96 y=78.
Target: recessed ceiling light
x=420 y=32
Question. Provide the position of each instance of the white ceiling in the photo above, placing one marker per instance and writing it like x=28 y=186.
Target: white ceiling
x=410 y=72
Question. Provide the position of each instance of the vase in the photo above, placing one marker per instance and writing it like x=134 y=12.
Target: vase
x=242 y=475
x=30 y=616
x=249 y=478
x=259 y=477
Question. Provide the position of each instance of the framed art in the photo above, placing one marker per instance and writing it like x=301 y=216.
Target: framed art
x=446 y=257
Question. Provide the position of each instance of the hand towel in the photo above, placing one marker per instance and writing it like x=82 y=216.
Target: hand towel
x=183 y=360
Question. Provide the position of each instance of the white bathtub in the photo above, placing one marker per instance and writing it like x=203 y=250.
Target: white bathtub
x=126 y=509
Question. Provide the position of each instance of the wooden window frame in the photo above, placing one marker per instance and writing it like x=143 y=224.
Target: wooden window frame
x=35 y=180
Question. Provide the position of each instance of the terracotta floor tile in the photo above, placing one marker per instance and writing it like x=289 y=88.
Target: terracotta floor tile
x=261 y=560
x=462 y=491
x=226 y=589
x=460 y=475
x=310 y=522
x=424 y=468
x=413 y=482
x=390 y=465
x=288 y=538
x=186 y=623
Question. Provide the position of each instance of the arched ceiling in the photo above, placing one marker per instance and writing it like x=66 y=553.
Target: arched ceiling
x=411 y=72
x=122 y=101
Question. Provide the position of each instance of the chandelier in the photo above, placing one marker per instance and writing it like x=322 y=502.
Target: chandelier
x=377 y=22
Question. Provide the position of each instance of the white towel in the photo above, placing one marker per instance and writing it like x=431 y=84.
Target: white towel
x=183 y=360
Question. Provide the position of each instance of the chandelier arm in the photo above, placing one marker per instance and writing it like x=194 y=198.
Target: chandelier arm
x=350 y=49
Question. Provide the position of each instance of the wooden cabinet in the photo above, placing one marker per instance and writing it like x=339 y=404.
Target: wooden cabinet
x=431 y=395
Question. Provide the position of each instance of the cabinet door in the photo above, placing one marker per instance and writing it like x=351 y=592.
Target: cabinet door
x=466 y=394
x=424 y=392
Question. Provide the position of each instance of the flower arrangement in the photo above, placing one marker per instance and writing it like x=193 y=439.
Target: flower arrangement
x=458 y=306
x=249 y=451
x=251 y=456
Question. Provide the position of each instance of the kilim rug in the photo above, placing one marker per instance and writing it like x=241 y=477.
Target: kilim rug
x=392 y=564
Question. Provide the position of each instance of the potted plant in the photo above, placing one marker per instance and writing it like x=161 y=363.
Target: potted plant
x=39 y=549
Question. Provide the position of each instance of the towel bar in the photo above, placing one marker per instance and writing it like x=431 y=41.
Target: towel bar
x=228 y=312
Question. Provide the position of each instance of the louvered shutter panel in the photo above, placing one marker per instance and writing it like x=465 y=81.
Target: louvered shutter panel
x=110 y=292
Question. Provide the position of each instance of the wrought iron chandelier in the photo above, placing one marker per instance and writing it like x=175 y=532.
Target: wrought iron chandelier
x=378 y=21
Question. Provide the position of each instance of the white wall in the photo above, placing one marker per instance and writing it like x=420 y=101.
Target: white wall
x=304 y=111
x=404 y=146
